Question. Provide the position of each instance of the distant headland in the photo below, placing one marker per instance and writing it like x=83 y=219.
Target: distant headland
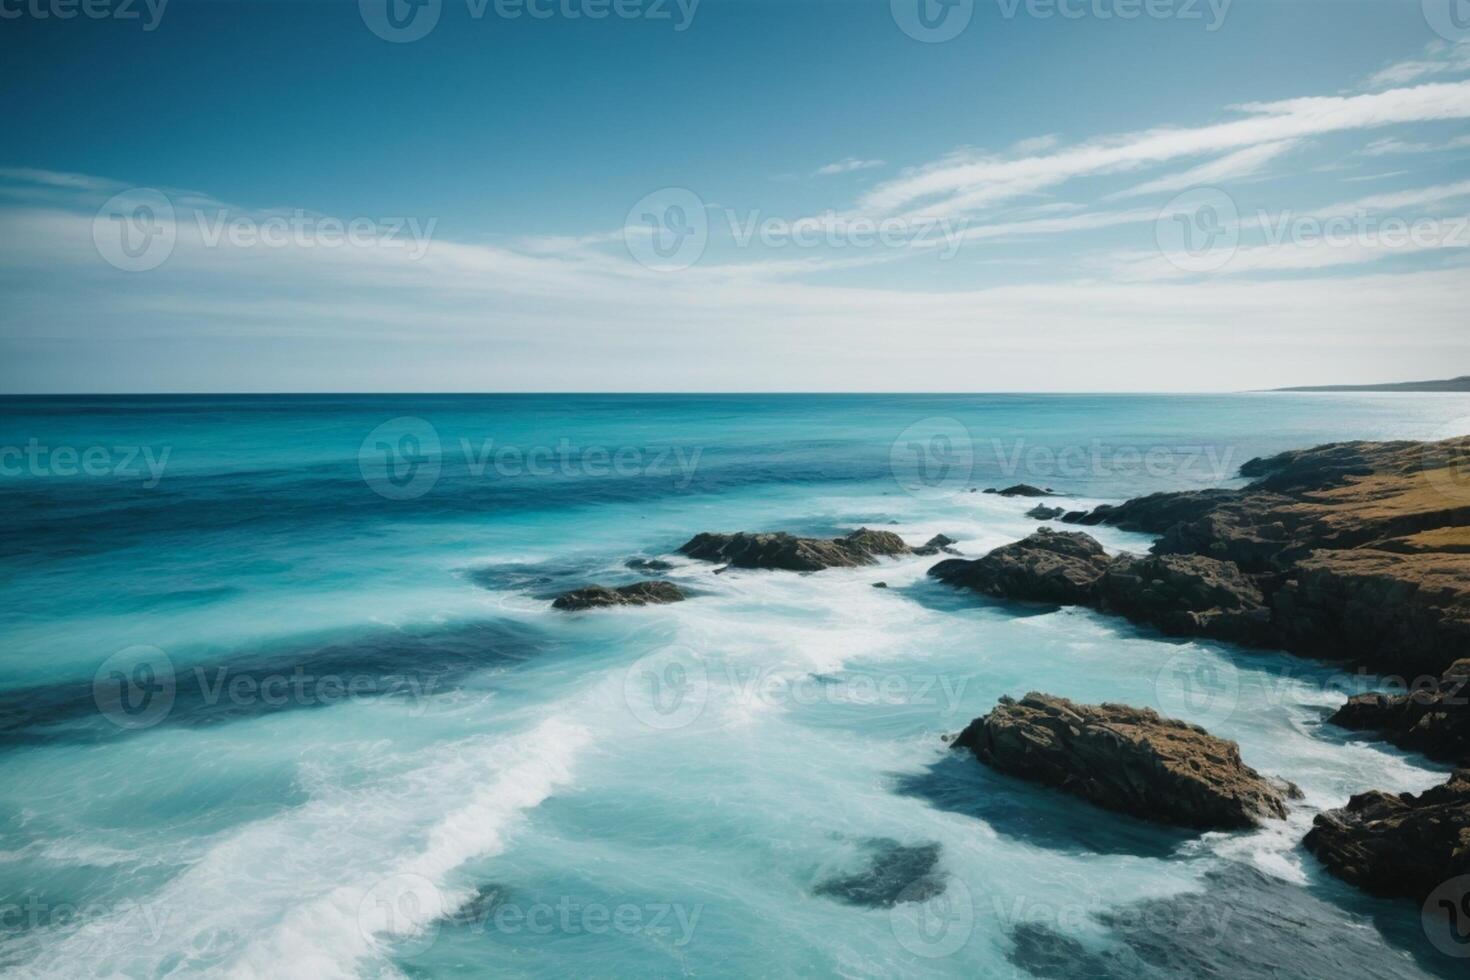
x=1461 y=383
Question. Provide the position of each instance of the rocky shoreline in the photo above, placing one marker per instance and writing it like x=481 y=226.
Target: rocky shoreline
x=1357 y=553
x=1351 y=552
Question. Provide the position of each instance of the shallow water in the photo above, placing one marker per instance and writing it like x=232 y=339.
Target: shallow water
x=293 y=702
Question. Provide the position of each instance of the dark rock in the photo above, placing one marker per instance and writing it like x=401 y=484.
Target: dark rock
x=895 y=873
x=1433 y=720
x=1398 y=844
x=1156 y=512
x=1402 y=614
x=880 y=585
x=1042 y=512
x=1361 y=550
x=1186 y=595
x=648 y=564
x=1022 y=490
x=1127 y=759
x=1241 y=925
x=935 y=545
x=1048 y=566
x=637 y=594
x=788 y=552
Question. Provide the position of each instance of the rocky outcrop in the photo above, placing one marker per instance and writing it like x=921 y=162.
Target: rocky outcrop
x=938 y=544
x=1021 y=490
x=637 y=594
x=1042 y=512
x=1360 y=551
x=1405 y=614
x=1181 y=595
x=1048 y=566
x=1130 y=760
x=790 y=553
x=1186 y=595
x=1398 y=845
x=1433 y=719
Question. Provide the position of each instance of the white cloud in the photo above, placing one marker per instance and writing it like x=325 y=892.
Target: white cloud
x=1233 y=166
x=846 y=166
x=1439 y=58
x=962 y=185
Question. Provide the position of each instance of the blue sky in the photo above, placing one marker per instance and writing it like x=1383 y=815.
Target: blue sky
x=1199 y=197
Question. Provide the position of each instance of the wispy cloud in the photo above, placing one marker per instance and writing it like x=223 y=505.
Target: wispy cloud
x=1233 y=166
x=957 y=186
x=1439 y=58
x=846 y=166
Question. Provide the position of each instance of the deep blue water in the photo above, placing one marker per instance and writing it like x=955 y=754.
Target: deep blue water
x=281 y=693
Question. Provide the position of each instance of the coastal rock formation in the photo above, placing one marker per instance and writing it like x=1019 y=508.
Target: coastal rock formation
x=637 y=594
x=1048 y=566
x=935 y=545
x=1361 y=551
x=1042 y=512
x=790 y=553
x=1021 y=490
x=1398 y=844
x=1433 y=720
x=1127 y=759
x=1186 y=595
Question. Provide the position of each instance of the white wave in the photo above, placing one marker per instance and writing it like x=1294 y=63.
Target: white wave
x=303 y=893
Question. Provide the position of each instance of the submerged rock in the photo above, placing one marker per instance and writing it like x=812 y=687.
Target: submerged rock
x=648 y=564
x=637 y=594
x=895 y=873
x=790 y=553
x=1131 y=760
x=1241 y=924
x=1435 y=720
x=1048 y=566
x=1398 y=844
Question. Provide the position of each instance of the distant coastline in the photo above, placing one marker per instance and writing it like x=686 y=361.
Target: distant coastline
x=1461 y=383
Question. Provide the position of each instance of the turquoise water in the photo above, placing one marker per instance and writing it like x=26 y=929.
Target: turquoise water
x=282 y=694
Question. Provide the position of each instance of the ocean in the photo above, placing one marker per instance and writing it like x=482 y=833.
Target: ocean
x=282 y=694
